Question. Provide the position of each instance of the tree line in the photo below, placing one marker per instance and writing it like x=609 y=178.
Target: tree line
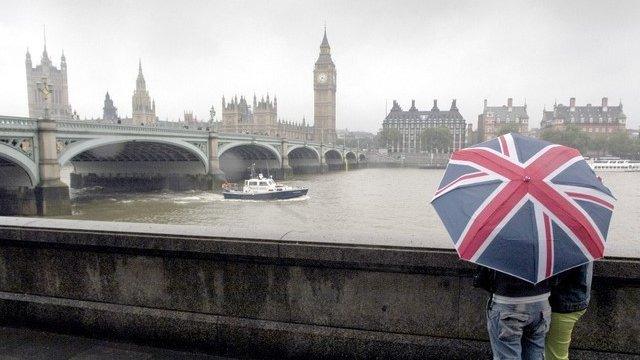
x=615 y=144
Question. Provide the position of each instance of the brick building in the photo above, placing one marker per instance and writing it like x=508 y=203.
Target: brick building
x=495 y=118
x=603 y=119
x=411 y=123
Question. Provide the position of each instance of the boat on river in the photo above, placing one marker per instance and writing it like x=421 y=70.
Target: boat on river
x=263 y=188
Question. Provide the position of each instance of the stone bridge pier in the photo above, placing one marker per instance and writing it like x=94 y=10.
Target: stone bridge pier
x=51 y=194
x=215 y=173
x=30 y=173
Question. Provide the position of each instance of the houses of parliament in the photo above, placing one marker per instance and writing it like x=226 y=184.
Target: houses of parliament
x=237 y=116
x=262 y=117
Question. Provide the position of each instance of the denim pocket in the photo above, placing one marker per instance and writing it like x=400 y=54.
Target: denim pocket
x=544 y=323
x=511 y=325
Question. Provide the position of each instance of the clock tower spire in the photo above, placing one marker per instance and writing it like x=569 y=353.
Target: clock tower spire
x=324 y=94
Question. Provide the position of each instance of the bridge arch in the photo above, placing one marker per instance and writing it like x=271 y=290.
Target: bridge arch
x=307 y=147
x=17 y=168
x=303 y=159
x=351 y=160
x=136 y=163
x=236 y=157
x=350 y=156
x=334 y=159
x=113 y=146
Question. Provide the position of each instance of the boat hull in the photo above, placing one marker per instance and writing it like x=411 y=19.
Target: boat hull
x=270 y=195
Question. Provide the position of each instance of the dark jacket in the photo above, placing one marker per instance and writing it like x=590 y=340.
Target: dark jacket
x=502 y=284
x=571 y=290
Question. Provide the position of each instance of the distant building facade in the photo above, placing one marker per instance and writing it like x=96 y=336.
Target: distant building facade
x=143 y=108
x=46 y=74
x=495 y=118
x=261 y=119
x=411 y=123
x=603 y=119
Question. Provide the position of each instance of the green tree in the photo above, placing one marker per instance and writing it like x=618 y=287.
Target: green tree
x=508 y=128
x=388 y=138
x=598 y=144
x=436 y=139
x=571 y=136
x=620 y=144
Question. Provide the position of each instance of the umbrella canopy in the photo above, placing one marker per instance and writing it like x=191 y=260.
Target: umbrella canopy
x=525 y=207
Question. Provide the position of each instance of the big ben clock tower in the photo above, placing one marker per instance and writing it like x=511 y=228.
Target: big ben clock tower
x=324 y=94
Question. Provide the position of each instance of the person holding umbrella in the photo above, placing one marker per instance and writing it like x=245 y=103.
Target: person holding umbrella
x=570 y=294
x=525 y=210
x=518 y=315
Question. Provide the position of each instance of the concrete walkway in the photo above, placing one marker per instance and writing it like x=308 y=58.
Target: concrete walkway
x=21 y=343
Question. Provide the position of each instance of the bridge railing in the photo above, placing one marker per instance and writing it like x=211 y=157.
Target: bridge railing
x=15 y=122
x=68 y=125
x=252 y=137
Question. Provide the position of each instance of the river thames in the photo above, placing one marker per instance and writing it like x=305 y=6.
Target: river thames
x=381 y=206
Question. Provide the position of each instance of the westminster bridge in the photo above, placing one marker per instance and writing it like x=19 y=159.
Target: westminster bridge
x=33 y=151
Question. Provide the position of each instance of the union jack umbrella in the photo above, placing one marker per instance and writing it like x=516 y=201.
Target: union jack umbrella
x=524 y=207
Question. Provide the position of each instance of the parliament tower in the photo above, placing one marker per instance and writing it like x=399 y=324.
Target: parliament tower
x=324 y=94
x=46 y=74
x=144 y=109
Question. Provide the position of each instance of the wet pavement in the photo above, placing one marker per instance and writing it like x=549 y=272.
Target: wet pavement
x=21 y=343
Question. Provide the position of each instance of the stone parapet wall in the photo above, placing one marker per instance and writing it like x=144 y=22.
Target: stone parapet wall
x=233 y=293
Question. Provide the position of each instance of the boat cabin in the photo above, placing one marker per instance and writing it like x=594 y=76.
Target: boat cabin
x=259 y=184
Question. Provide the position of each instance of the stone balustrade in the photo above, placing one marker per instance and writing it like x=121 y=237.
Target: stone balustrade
x=236 y=293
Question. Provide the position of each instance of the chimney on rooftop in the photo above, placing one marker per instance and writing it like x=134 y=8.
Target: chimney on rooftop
x=572 y=104
x=485 y=103
x=605 y=104
x=510 y=103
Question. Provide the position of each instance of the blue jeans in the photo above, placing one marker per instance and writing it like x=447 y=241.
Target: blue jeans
x=518 y=331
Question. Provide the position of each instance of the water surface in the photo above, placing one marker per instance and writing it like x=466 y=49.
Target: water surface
x=381 y=206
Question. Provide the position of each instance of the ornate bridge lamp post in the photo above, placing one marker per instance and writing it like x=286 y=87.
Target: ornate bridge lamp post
x=52 y=195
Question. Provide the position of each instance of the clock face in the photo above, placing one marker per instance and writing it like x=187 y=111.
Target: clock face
x=322 y=77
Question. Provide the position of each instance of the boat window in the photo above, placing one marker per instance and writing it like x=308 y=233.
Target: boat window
x=263 y=183
x=253 y=183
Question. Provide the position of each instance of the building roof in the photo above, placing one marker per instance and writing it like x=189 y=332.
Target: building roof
x=435 y=114
x=325 y=42
x=324 y=58
x=503 y=113
x=584 y=114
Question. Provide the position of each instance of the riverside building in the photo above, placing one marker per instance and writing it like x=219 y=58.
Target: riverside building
x=411 y=123
x=495 y=118
x=603 y=119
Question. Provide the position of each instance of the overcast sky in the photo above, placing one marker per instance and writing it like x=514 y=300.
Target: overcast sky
x=193 y=52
